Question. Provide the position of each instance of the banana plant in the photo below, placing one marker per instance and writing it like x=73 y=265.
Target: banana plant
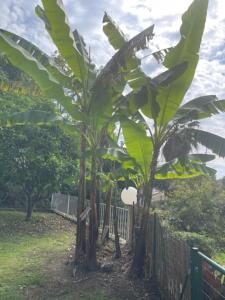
x=88 y=97
x=167 y=128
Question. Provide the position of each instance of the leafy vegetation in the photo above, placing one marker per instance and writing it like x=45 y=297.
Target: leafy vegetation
x=93 y=102
x=194 y=210
x=36 y=160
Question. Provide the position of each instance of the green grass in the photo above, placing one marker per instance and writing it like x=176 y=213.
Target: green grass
x=24 y=249
x=33 y=256
x=220 y=258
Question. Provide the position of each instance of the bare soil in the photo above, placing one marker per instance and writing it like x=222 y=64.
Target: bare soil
x=61 y=283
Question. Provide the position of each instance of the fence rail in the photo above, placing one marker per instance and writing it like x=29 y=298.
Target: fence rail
x=67 y=205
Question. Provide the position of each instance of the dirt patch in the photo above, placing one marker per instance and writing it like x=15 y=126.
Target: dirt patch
x=93 y=286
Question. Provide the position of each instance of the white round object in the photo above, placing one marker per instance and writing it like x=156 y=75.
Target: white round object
x=129 y=196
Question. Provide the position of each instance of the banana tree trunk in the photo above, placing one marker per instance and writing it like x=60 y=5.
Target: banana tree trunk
x=137 y=267
x=91 y=250
x=98 y=198
x=81 y=225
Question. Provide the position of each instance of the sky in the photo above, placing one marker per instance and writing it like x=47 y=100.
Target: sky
x=133 y=16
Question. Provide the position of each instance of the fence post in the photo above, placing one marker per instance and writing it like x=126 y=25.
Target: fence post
x=196 y=276
x=68 y=205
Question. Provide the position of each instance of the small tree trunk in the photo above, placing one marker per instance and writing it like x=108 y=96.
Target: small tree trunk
x=81 y=225
x=107 y=212
x=29 y=208
x=117 y=239
x=91 y=251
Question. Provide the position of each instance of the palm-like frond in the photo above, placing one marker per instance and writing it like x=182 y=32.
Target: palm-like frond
x=211 y=141
x=145 y=97
x=47 y=61
x=199 y=108
x=22 y=59
x=191 y=167
x=57 y=25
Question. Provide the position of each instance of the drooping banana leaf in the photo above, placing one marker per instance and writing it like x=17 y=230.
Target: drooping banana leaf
x=36 y=117
x=57 y=25
x=193 y=23
x=40 y=56
x=125 y=58
x=134 y=76
x=201 y=157
x=20 y=58
x=179 y=144
x=139 y=145
x=176 y=169
x=199 y=108
x=209 y=140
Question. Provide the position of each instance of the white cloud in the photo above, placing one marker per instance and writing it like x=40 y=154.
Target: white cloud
x=135 y=15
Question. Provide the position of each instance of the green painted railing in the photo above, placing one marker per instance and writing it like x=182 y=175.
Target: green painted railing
x=205 y=283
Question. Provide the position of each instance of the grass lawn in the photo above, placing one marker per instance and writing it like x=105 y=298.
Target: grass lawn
x=30 y=252
x=25 y=249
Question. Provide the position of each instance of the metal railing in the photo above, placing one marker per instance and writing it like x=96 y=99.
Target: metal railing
x=207 y=278
x=67 y=205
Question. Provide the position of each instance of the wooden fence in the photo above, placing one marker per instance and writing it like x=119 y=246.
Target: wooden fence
x=168 y=260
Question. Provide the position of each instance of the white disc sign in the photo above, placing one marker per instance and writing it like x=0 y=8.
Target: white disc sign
x=129 y=196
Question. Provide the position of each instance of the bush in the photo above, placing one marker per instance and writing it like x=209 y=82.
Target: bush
x=204 y=243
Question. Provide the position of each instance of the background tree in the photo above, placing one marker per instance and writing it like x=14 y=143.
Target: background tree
x=35 y=160
x=197 y=205
x=195 y=210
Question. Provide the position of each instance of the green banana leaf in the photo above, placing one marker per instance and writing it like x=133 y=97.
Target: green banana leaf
x=176 y=169
x=42 y=57
x=114 y=34
x=145 y=98
x=211 y=141
x=201 y=157
x=199 y=108
x=22 y=59
x=139 y=145
x=57 y=25
x=36 y=117
x=81 y=46
x=193 y=23
x=134 y=76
